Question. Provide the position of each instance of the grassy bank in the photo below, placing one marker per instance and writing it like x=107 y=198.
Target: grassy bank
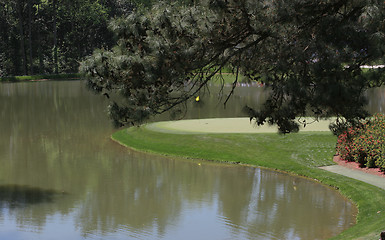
x=40 y=77
x=299 y=154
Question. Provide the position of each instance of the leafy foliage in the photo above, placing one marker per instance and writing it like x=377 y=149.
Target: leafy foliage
x=364 y=144
x=308 y=52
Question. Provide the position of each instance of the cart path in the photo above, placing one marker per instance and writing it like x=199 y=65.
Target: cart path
x=357 y=174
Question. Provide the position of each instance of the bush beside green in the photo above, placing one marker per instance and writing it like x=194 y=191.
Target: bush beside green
x=364 y=144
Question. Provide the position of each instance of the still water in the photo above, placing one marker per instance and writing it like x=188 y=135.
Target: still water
x=61 y=177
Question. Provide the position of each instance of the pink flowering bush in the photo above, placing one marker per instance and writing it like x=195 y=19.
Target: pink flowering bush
x=364 y=144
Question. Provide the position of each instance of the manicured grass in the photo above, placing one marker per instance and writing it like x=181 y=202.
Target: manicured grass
x=299 y=154
x=40 y=77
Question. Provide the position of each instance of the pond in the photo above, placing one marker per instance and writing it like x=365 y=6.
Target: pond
x=61 y=177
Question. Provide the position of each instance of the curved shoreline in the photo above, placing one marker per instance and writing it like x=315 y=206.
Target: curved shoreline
x=274 y=151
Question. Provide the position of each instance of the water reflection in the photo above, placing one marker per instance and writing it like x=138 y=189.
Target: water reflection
x=73 y=182
x=14 y=196
x=211 y=104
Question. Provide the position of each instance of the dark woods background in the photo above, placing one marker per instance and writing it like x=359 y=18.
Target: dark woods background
x=52 y=36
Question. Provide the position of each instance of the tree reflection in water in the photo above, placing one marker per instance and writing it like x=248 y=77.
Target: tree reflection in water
x=55 y=139
x=15 y=196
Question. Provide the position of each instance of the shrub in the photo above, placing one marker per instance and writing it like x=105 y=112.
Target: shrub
x=365 y=143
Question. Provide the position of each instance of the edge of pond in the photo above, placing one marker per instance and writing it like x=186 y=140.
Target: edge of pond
x=39 y=78
x=207 y=161
x=366 y=215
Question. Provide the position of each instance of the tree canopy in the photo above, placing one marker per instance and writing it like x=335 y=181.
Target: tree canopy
x=308 y=52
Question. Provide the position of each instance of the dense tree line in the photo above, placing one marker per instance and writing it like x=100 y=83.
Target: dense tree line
x=52 y=36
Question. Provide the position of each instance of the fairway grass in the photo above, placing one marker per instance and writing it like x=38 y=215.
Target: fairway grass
x=299 y=154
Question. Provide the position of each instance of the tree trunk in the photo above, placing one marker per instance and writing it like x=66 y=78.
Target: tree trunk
x=30 y=36
x=55 y=60
x=38 y=40
x=39 y=52
x=21 y=33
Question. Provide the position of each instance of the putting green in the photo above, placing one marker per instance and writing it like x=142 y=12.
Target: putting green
x=229 y=125
x=243 y=125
